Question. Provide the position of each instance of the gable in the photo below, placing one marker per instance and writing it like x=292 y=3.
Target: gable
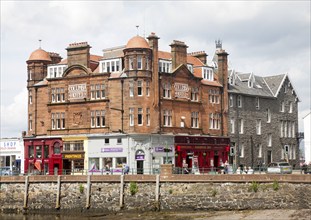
x=183 y=72
x=76 y=70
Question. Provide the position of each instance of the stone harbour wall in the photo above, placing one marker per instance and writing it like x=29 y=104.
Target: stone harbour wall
x=106 y=194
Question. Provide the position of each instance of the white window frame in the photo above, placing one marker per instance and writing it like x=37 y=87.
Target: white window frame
x=290 y=107
x=167 y=118
x=131 y=116
x=258 y=126
x=147 y=88
x=257 y=103
x=282 y=106
x=231 y=100
x=259 y=150
x=140 y=119
x=241 y=126
x=167 y=90
x=232 y=125
x=242 y=151
x=194 y=94
x=148 y=116
x=268 y=115
x=139 y=88
x=195 y=119
x=214 y=121
x=269 y=140
x=239 y=100
x=30 y=122
x=131 y=88
x=207 y=74
x=139 y=62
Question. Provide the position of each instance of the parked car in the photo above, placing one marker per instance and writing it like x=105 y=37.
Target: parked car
x=6 y=171
x=279 y=168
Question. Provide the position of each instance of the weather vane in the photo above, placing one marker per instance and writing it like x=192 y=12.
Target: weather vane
x=137 y=26
x=40 y=43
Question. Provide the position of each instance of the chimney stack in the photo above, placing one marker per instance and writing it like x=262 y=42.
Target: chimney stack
x=78 y=53
x=179 y=53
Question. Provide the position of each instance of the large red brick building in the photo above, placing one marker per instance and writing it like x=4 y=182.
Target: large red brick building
x=127 y=106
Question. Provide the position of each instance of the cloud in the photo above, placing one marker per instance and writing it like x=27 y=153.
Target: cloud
x=264 y=37
x=14 y=116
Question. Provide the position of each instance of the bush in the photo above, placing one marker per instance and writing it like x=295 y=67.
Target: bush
x=81 y=188
x=214 y=192
x=133 y=188
x=170 y=191
x=275 y=185
x=254 y=187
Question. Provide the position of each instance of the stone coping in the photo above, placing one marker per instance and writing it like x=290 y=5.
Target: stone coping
x=189 y=178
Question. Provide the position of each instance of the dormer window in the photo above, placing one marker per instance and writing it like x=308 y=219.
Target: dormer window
x=165 y=66
x=110 y=66
x=207 y=74
x=56 y=71
x=250 y=83
x=190 y=67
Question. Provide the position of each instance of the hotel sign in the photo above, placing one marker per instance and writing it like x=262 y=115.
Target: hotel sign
x=77 y=91
x=181 y=90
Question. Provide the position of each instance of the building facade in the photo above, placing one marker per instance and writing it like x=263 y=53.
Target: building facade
x=263 y=119
x=307 y=137
x=12 y=153
x=133 y=105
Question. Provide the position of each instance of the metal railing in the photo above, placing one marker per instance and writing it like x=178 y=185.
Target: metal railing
x=155 y=171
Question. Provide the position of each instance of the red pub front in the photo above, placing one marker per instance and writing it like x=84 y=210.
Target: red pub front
x=43 y=156
x=204 y=153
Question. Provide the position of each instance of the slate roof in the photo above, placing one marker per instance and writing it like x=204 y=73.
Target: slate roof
x=262 y=86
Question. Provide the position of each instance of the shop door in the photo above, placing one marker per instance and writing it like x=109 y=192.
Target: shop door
x=216 y=164
x=140 y=167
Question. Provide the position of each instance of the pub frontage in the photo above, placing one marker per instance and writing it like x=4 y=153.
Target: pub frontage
x=202 y=154
x=43 y=156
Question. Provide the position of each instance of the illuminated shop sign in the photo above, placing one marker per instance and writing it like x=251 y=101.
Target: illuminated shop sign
x=77 y=91
x=181 y=90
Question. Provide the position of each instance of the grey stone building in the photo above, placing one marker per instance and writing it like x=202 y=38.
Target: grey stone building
x=263 y=119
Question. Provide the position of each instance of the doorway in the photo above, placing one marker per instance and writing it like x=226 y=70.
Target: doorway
x=140 y=167
x=269 y=157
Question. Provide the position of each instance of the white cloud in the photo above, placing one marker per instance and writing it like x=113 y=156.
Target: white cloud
x=14 y=116
x=262 y=37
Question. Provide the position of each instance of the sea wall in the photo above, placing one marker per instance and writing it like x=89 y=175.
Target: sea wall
x=109 y=193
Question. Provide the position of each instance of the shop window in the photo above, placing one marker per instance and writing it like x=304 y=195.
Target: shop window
x=106 y=140
x=107 y=163
x=120 y=161
x=46 y=151
x=56 y=149
x=119 y=140
x=38 y=151
x=31 y=152
x=94 y=164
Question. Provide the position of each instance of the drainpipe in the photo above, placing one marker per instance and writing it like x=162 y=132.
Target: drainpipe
x=36 y=109
x=122 y=107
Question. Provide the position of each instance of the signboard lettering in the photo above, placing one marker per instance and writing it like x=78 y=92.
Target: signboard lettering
x=110 y=149
x=181 y=90
x=77 y=91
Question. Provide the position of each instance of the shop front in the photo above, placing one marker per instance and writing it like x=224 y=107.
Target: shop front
x=11 y=154
x=201 y=154
x=43 y=156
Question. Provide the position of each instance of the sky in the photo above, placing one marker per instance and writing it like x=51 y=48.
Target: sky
x=263 y=37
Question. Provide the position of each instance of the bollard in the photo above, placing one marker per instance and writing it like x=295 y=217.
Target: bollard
x=121 y=191
x=26 y=192
x=58 y=193
x=88 y=192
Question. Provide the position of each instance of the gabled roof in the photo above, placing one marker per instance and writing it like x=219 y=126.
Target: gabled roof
x=275 y=83
x=259 y=88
